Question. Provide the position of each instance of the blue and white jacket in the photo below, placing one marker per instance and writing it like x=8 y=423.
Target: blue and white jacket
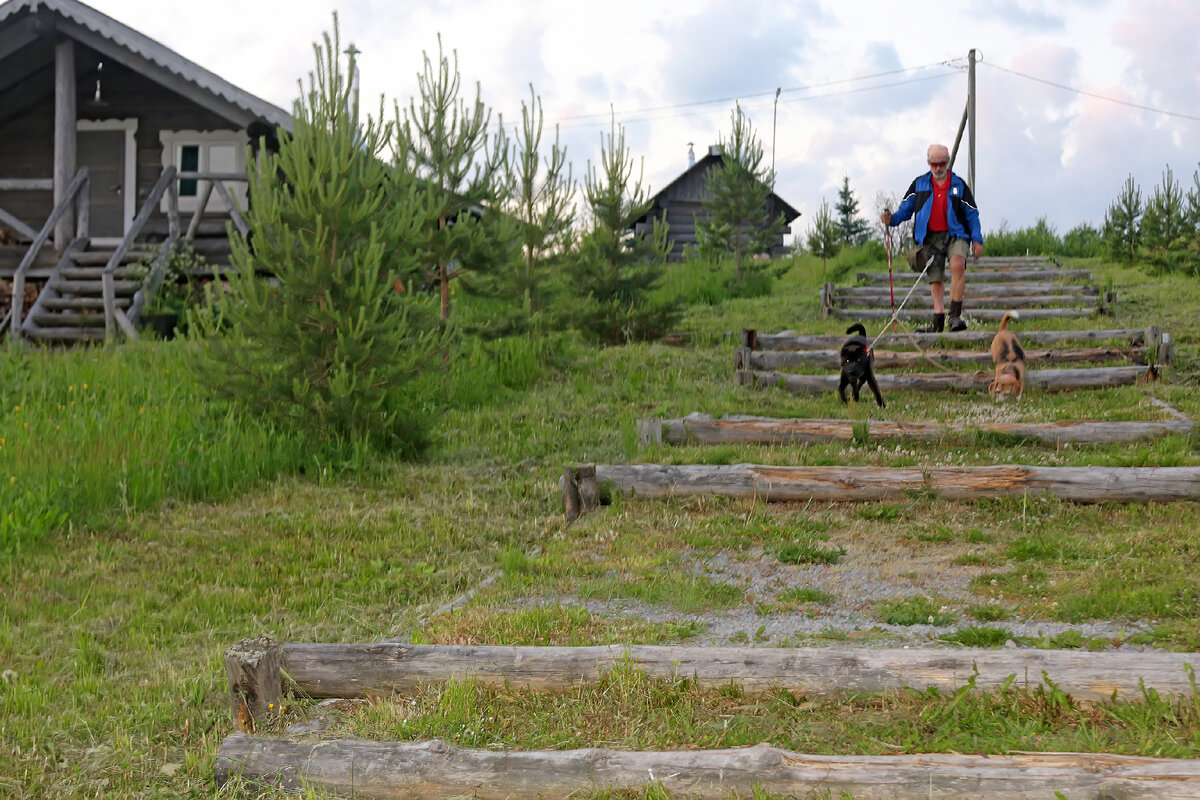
x=962 y=218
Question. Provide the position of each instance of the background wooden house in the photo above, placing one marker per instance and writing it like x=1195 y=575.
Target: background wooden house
x=680 y=205
x=115 y=134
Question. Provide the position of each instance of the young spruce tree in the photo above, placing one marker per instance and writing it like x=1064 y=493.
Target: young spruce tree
x=736 y=220
x=853 y=228
x=1122 y=223
x=445 y=142
x=331 y=345
x=614 y=273
x=824 y=236
x=539 y=197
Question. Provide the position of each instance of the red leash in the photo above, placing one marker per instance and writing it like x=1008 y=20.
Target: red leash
x=887 y=237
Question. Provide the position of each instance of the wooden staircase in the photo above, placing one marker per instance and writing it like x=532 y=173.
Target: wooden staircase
x=70 y=307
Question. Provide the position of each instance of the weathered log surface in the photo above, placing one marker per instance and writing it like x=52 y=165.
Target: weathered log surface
x=374 y=670
x=905 y=278
x=1001 y=290
x=788 y=341
x=701 y=429
x=987 y=301
x=887 y=359
x=255 y=688
x=985 y=314
x=367 y=769
x=837 y=483
x=1048 y=379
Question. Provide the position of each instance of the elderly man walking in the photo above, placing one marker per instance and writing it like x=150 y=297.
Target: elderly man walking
x=948 y=222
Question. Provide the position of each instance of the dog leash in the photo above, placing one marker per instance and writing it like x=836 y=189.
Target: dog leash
x=896 y=311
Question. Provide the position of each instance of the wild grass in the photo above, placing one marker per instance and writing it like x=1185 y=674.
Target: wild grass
x=127 y=573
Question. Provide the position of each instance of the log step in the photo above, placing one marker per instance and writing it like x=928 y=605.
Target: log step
x=996 y=289
x=82 y=303
x=990 y=300
x=790 y=341
x=371 y=769
x=890 y=359
x=857 y=484
x=702 y=429
x=96 y=273
x=100 y=258
x=1046 y=379
x=905 y=278
x=63 y=334
x=67 y=319
x=986 y=314
x=94 y=288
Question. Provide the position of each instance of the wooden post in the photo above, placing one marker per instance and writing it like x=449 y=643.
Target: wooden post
x=750 y=338
x=649 y=431
x=579 y=490
x=83 y=207
x=64 y=134
x=1166 y=350
x=741 y=358
x=255 y=681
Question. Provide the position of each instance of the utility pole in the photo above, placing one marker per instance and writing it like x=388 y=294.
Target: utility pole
x=971 y=124
x=774 y=118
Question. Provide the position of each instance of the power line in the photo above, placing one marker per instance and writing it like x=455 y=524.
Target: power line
x=752 y=95
x=1093 y=94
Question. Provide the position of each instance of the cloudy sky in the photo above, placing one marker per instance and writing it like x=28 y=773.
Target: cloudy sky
x=865 y=85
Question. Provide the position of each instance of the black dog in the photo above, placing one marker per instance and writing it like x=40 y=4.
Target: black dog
x=858 y=365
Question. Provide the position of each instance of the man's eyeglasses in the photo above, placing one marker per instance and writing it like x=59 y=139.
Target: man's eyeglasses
x=938 y=164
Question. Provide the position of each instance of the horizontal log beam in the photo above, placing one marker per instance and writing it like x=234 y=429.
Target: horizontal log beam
x=888 y=359
x=369 y=769
x=1008 y=290
x=986 y=314
x=383 y=669
x=702 y=429
x=837 y=483
x=989 y=300
x=789 y=341
x=905 y=278
x=1047 y=379
x=26 y=184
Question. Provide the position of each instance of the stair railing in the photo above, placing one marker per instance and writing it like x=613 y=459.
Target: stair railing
x=77 y=193
x=211 y=181
x=114 y=317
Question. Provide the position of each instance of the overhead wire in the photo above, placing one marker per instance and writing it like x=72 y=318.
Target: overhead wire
x=1095 y=95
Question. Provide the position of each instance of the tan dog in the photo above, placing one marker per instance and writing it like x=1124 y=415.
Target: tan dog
x=1009 y=359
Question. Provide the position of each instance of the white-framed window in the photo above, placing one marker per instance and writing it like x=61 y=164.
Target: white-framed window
x=205 y=151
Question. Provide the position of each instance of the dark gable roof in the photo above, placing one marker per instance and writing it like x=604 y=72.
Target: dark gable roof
x=28 y=19
x=712 y=159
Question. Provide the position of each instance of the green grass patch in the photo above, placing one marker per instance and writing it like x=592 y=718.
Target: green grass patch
x=809 y=553
x=978 y=636
x=913 y=611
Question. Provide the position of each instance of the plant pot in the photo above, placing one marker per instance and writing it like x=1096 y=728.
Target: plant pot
x=163 y=325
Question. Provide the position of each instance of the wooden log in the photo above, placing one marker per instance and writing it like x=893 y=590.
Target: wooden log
x=382 y=669
x=701 y=429
x=788 y=341
x=785 y=484
x=26 y=184
x=750 y=338
x=1047 y=379
x=1007 y=290
x=24 y=231
x=986 y=314
x=988 y=301
x=255 y=681
x=388 y=770
x=64 y=136
x=905 y=278
x=579 y=490
x=888 y=359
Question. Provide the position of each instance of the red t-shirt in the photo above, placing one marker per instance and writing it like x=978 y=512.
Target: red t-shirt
x=937 y=214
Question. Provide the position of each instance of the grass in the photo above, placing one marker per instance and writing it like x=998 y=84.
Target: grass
x=127 y=572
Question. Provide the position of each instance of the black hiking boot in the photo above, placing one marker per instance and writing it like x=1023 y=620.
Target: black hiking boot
x=956 y=320
x=937 y=326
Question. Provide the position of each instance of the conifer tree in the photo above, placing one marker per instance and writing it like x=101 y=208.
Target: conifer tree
x=853 y=228
x=539 y=197
x=1165 y=217
x=1122 y=222
x=444 y=141
x=824 y=236
x=615 y=273
x=736 y=220
x=331 y=345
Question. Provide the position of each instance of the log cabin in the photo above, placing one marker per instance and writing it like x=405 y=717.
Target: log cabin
x=680 y=203
x=113 y=148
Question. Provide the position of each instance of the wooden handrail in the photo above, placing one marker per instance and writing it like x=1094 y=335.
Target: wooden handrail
x=78 y=184
x=165 y=181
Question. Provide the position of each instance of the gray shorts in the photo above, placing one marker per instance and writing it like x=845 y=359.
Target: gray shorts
x=958 y=247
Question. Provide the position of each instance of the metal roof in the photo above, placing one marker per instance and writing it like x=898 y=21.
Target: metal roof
x=708 y=161
x=147 y=56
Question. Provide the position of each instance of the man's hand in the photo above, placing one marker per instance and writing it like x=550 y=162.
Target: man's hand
x=886 y=218
x=976 y=249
